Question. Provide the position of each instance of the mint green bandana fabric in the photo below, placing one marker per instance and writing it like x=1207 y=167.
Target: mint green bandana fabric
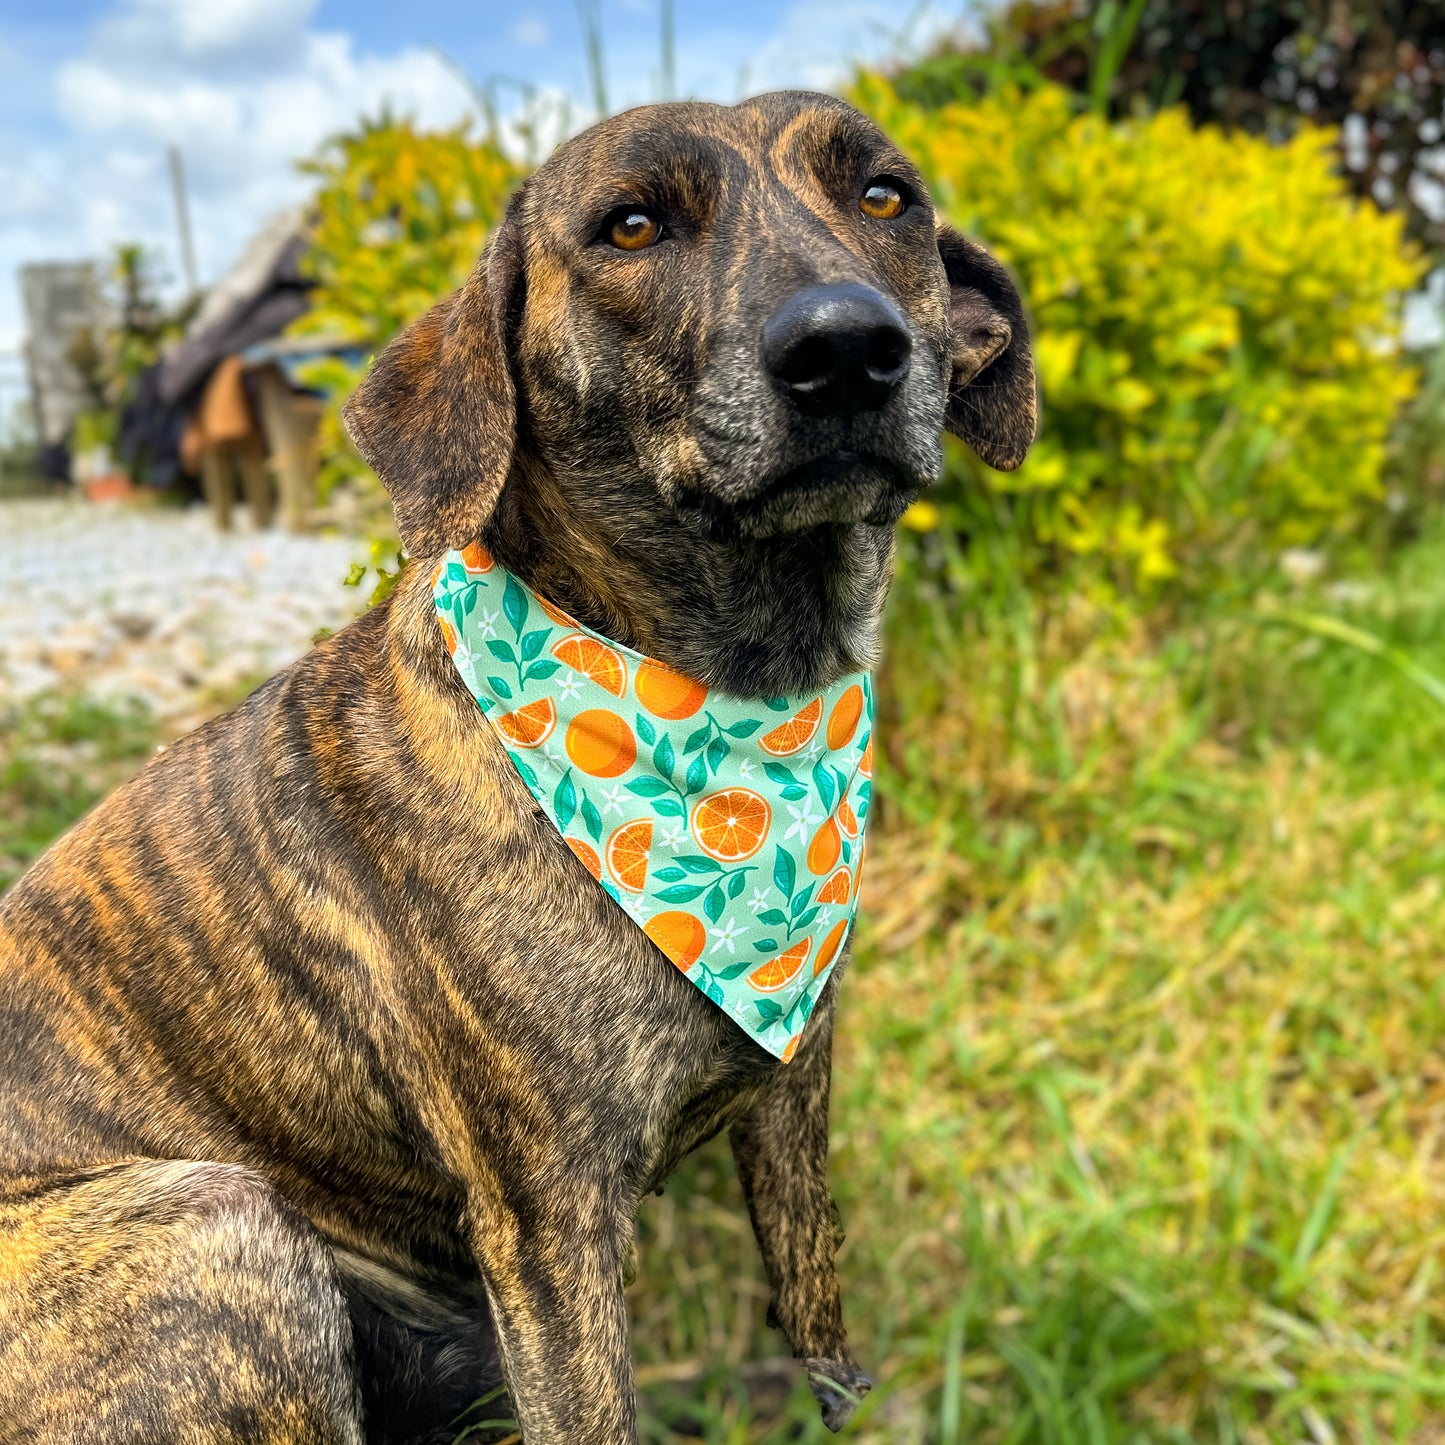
x=729 y=830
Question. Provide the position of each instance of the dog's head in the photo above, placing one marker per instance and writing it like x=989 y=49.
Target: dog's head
x=747 y=319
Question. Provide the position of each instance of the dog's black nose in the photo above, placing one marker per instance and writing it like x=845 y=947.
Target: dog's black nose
x=834 y=349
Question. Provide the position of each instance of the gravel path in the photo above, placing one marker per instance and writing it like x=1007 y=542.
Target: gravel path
x=155 y=604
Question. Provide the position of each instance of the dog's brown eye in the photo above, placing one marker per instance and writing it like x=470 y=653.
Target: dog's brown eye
x=634 y=230
x=882 y=200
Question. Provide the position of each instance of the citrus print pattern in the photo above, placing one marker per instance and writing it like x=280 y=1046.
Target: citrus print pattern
x=729 y=830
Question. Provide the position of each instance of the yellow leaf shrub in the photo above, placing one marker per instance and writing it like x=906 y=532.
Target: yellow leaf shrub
x=398 y=221
x=1216 y=328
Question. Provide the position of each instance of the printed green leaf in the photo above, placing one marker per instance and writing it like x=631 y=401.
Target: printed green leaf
x=501 y=649
x=793 y=793
x=842 y=778
x=663 y=756
x=717 y=750
x=714 y=904
x=785 y=871
x=564 y=800
x=769 y=1011
x=469 y=602
x=803 y=920
x=500 y=686
x=647 y=787
x=778 y=704
x=823 y=781
x=645 y=729
x=669 y=808
x=847 y=851
x=738 y=882
x=778 y=773
x=525 y=769
x=532 y=643
x=670 y=875
x=696 y=863
x=766 y=945
x=696 y=739
x=744 y=729
x=716 y=995
x=681 y=893
x=773 y=917
x=696 y=778
x=456 y=572
x=801 y=900
x=736 y=970
x=539 y=670
x=514 y=604
x=592 y=818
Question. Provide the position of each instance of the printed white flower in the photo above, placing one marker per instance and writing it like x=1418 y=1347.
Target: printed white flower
x=745 y=769
x=462 y=654
x=553 y=754
x=759 y=900
x=814 y=748
x=570 y=684
x=635 y=906
x=673 y=839
x=613 y=799
x=486 y=621
x=727 y=935
x=804 y=819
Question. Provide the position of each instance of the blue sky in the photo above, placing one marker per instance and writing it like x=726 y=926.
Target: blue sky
x=93 y=91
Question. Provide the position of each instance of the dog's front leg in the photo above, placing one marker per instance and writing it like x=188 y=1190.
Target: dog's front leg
x=781 y=1148
x=553 y=1272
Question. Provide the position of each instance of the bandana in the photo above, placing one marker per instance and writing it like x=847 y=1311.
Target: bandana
x=730 y=831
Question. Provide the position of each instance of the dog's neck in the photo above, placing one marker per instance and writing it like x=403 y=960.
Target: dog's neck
x=761 y=618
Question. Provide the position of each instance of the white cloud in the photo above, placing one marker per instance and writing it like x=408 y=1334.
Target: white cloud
x=530 y=31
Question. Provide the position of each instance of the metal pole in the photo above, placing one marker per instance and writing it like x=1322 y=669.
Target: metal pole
x=183 y=219
x=669 y=53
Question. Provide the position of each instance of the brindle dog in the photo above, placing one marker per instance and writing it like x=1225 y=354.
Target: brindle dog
x=330 y=1081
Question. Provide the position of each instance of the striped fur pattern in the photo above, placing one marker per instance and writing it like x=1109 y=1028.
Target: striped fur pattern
x=330 y=1082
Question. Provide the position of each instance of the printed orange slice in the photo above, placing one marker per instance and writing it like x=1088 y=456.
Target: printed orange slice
x=681 y=936
x=587 y=854
x=529 y=726
x=476 y=558
x=732 y=824
x=843 y=720
x=600 y=742
x=865 y=763
x=449 y=634
x=796 y=733
x=825 y=849
x=847 y=818
x=786 y=1057
x=562 y=619
x=666 y=693
x=627 y=854
x=838 y=887
x=593 y=659
x=830 y=946
x=782 y=969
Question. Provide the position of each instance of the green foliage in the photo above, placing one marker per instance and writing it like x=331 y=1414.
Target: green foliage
x=1215 y=330
x=399 y=219
x=59 y=756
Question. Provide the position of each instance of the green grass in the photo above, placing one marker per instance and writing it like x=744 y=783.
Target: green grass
x=1139 y=1124
x=58 y=757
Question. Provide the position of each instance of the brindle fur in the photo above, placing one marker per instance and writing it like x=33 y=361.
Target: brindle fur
x=330 y=1082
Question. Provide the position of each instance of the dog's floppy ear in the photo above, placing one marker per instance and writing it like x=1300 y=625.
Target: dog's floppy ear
x=991 y=399
x=436 y=416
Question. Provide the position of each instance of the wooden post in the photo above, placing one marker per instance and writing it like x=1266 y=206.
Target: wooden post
x=287 y=440
x=255 y=481
x=217 y=484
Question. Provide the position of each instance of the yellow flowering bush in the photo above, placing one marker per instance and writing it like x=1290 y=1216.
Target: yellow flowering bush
x=398 y=220
x=1215 y=323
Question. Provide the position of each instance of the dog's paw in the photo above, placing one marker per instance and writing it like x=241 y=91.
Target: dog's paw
x=839 y=1387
